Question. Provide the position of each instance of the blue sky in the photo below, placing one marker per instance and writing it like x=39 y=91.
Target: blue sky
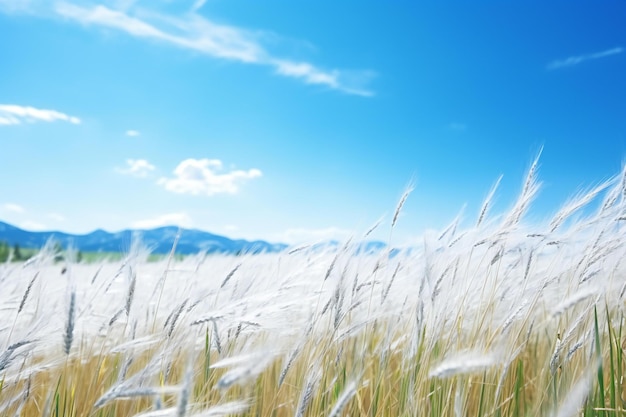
x=291 y=121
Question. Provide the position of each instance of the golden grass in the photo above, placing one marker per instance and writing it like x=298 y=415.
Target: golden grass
x=388 y=385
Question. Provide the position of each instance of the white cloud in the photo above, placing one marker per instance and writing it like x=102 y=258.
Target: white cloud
x=11 y=114
x=575 y=60
x=139 y=168
x=302 y=235
x=32 y=225
x=12 y=208
x=350 y=82
x=181 y=219
x=132 y=133
x=194 y=32
x=56 y=217
x=307 y=72
x=16 y=6
x=197 y=5
x=203 y=177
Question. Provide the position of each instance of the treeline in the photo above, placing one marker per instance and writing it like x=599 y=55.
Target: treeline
x=17 y=254
x=14 y=252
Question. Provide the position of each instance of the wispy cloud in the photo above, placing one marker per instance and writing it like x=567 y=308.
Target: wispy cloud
x=132 y=133
x=231 y=228
x=33 y=225
x=307 y=72
x=575 y=60
x=204 y=177
x=12 y=114
x=12 y=208
x=56 y=217
x=334 y=79
x=16 y=6
x=197 y=5
x=180 y=219
x=139 y=168
x=194 y=32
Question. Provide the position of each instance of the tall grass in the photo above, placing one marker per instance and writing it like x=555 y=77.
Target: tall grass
x=504 y=318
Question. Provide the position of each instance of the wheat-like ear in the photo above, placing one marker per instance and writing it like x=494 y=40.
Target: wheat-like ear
x=532 y=173
x=372 y=228
x=312 y=381
x=68 y=337
x=173 y=317
x=529 y=191
x=216 y=336
x=576 y=204
x=131 y=290
x=287 y=365
x=487 y=202
x=230 y=275
x=26 y=293
x=9 y=354
x=405 y=195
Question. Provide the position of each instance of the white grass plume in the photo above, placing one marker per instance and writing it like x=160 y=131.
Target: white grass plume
x=570 y=302
x=226 y=409
x=576 y=204
x=577 y=395
x=121 y=392
x=185 y=392
x=464 y=363
x=346 y=395
x=164 y=412
x=250 y=366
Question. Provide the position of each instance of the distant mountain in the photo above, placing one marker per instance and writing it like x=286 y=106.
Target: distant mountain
x=365 y=247
x=159 y=240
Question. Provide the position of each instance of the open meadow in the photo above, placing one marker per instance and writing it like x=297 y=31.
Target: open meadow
x=502 y=318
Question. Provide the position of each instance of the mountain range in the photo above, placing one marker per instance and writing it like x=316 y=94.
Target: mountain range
x=160 y=240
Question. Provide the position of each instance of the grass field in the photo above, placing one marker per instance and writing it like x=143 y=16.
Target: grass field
x=501 y=318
